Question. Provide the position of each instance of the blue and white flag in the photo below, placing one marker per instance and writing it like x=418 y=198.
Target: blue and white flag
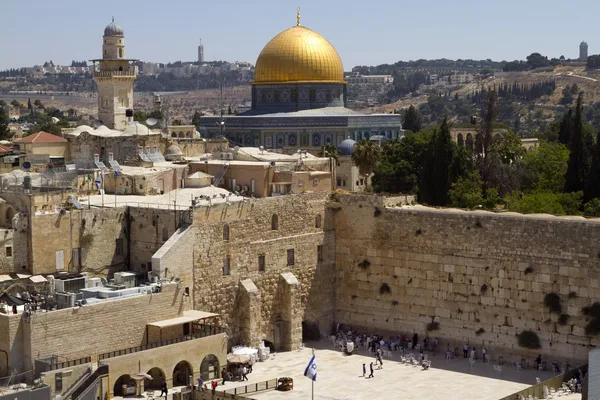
x=98 y=182
x=311 y=369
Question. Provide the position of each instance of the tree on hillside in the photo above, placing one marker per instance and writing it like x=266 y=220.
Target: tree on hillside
x=592 y=185
x=593 y=62
x=467 y=191
x=566 y=128
x=365 y=156
x=483 y=139
x=547 y=166
x=15 y=103
x=578 y=164
x=38 y=103
x=536 y=60
x=29 y=105
x=196 y=118
x=4 y=131
x=436 y=178
x=2 y=103
x=412 y=120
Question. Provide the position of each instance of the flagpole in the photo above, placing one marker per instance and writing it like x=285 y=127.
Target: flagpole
x=313 y=381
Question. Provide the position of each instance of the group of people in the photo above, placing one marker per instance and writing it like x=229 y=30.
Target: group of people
x=376 y=342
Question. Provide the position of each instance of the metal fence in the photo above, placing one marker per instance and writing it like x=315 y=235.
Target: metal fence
x=254 y=387
x=214 y=331
x=70 y=363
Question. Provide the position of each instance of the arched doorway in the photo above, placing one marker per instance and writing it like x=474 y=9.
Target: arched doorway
x=182 y=373
x=157 y=375
x=118 y=388
x=270 y=345
x=209 y=368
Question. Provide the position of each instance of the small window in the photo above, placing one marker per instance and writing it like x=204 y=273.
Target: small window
x=58 y=382
x=274 y=222
x=318 y=222
x=186 y=329
x=8 y=251
x=261 y=263
x=165 y=234
x=119 y=247
x=290 y=257
x=226 y=266
x=320 y=252
x=226 y=232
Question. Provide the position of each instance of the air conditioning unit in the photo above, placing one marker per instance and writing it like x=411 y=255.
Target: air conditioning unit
x=69 y=283
x=245 y=188
x=229 y=156
x=126 y=279
x=223 y=156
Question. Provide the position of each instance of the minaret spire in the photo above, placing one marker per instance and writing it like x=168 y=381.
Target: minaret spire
x=298 y=17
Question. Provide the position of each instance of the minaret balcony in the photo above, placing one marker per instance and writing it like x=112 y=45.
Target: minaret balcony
x=128 y=73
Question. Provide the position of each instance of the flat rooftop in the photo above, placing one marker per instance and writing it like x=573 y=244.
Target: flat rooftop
x=340 y=377
x=183 y=197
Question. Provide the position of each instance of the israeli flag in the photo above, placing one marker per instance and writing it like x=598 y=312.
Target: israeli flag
x=311 y=369
x=98 y=182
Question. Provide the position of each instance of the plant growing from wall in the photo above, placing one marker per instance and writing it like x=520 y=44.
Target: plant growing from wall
x=433 y=325
x=478 y=224
x=484 y=288
x=553 y=302
x=593 y=312
x=384 y=289
x=479 y=331
x=364 y=264
x=86 y=239
x=395 y=303
x=572 y=295
x=528 y=270
x=563 y=319
x=377 y=212
x=418 y=232
x=529 y=340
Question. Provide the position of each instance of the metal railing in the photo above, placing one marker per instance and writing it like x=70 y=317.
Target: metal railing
x=271 y=384
x=198 y=335
x=130 y=72
x=70 y=363
x=537 y=390
x=99 y=373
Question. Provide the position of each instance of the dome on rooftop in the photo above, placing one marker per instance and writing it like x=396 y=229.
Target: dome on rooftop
x=174 y=153
x=113 y=29
x=346 y=148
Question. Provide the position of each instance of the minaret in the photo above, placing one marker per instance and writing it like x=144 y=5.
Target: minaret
x=200 y=53
x=115 y=80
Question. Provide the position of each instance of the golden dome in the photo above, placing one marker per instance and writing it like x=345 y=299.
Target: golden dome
x=298 y=55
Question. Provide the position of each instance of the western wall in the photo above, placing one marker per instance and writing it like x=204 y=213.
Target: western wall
x=481 y=276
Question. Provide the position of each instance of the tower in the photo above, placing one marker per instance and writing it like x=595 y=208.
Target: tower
x=200 y=53
x=114 y=79
x=583 y=51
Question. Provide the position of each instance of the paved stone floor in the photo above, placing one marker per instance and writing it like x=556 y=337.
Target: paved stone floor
x=340 y=378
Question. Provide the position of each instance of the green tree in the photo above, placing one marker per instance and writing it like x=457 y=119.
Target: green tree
x=508 y=146
x=436 y=177
x=2 y=103
x=4 y=121
x=38 y=103
x=330 y=151
x=592 y=208
x=139 y=116
x=592 y=184
x=578 y=164
x=365 y=156
x=412 y=120
x=566 y=128
x=15 y=103
x=29 y=105
x=545 y=203
x=196 y=118
x=467 y=191
x=547 y=165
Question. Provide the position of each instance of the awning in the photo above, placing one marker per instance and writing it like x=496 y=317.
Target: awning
x=188 y=316
x=4 y=278
x=37 y=279
x=23 y=276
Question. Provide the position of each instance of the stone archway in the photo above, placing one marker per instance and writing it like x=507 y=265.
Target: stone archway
x=209 y=368
x=118 y=388
x=181 y=373
x=157 y=375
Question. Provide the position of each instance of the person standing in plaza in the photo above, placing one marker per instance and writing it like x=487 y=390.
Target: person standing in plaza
x=371 y=367
x=244 y=373
x=466 y=351
x=163 y=388
x=364 y=369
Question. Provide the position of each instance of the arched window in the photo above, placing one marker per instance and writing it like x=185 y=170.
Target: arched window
x=226 y=232
x=209 y=368
x=120 y=52
x=274 y=222
x=318 y=221
x=460 y=140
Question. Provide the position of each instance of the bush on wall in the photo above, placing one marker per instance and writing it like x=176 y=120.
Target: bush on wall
x=529 y=340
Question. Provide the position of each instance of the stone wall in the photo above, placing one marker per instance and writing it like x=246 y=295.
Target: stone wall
x=250 y=236
x=87 y=331
x=175 y=257
x=96 y=233
x=482 y=276
x=7 y=255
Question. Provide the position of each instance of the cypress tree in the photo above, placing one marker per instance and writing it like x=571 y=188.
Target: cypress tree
x=576 y=170
x=566 y=128
x=592 y=184
x=412 y=120
x=436 y=178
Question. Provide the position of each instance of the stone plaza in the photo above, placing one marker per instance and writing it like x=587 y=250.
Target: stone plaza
x=340 y=377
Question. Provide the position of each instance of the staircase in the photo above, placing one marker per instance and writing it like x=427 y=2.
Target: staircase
x=85 y=383
x=219 y=178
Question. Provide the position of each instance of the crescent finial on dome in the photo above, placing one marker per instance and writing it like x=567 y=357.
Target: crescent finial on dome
x=298 y=17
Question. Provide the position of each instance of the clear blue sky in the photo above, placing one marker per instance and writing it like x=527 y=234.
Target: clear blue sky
x=364 y=32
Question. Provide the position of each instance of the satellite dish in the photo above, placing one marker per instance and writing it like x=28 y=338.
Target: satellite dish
x=55 y=120
x=26 y=166
x=236 y=149
x=151 y=121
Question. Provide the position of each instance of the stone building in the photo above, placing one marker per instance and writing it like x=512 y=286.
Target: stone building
x=114 y=79
x=299 y=100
